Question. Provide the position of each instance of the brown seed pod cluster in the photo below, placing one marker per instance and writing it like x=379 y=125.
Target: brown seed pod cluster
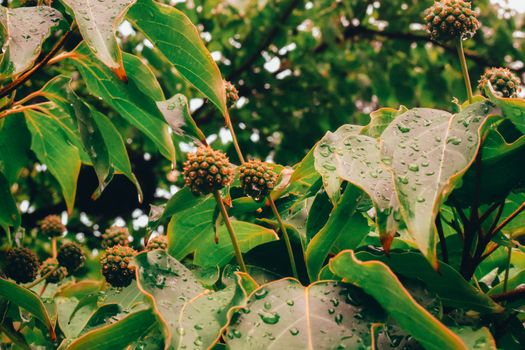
x=207 y=170
x=71 y=256
x=232 y=95
x=449 y=20
x=257 y=179
x=52 y=226
x=21 y=265
x=157 y=242
x=502 y=80
x=116 y=266
x=115 y=235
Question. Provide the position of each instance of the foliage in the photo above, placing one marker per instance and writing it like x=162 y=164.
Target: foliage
x=402 y=228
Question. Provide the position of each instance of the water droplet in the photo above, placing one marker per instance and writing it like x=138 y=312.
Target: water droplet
x=338 y=318
x=403 y=127
x=413 y=167
x=261 y=293
x=267 y=305
x=454 y=140
x=294 y=331
x=269 y=317
x=290 y=302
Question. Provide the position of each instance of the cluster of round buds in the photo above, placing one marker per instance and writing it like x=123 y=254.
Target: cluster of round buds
x=502 y=80
x=157 y=242
x=232 y=95
x=52 y=226
x=257 y=179
x=116 y=266
x=207 y=170
x=58 y=274
x=115 y=235
x=451 y=20
x=21 y=264
x=71 y=257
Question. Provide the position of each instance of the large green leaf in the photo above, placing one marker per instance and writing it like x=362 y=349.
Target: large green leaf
x=358 y=160
x=128 y=100
x=15 y=142
x=26 y=28
x=27 y=300
x=344 y=220
x=249 y=236
x=376 y=279
x=117 y=335
x=447 y=283
x=177 y=38
x=9 y=215
x=380 y=119
x=428 y=151
x=324 y=155
x=285 y=315
x=97 y=21
x=193 y=315
x=52 y=148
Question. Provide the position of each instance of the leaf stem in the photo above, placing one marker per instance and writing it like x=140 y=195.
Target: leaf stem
x=285 y=235
x=54 y=247
x=506 y=278
x=508 y=219
x=9 y=237
x=234 y=136
x=464 y=69
x=442 y=241
x=227 y=222
x=42 y=278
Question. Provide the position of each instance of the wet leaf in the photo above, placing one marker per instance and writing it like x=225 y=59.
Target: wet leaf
x=358 y=160
x=97 y=21
x=512 y=108
x=177 y=38
x=380 y=119
x=324 y=155
x=376 y=279
x=284 y=314
x=177 y=114
x=428 y=151
x=25 y=29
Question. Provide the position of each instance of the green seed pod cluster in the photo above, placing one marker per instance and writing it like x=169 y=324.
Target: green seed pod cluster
x=116 y=266
x=21 y=265
x=115 y=236
x=71 y=257
x=502 y=80
x=52 y=226
x=257 y=179
x=51 y=264
x=157 y=242
x=232 y=95
x=449 y=20
x=207 y=170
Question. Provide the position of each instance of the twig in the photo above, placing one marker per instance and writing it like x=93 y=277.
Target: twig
x=42 y=278
x=508 y=219
x=517 y=293
x=442 y=242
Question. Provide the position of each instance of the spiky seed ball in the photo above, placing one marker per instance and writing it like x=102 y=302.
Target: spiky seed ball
x=207 y=170
x=71 y=257
x=50 y=264
x=502 y=80
x=232 y=95
x=114 y=236
x=157 y=242
x=116 y=265
x=52 y=226
x=451 y=19
x=21 y=264
x=257 y=179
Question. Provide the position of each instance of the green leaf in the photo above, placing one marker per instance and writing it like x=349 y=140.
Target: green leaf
x=97 y=21
x=27 y=300
x=15 y=142
x=249 y=236
x=358 y=160
x=118 y=156
x=177 y=115
x=325 y=159
x=117 y=335
x=52 y=148
x=9 y=215
x=285 y=315
x=512 y=108
x=177 y=38
x=447 y=283
x=428 y=151
x=380 y=119
x=193 y=315
x=344 y=219
x=476 y=339
x=93 y=142
x=516 y=227
x=128 y=100
x=376 y=279
x=27 y=28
